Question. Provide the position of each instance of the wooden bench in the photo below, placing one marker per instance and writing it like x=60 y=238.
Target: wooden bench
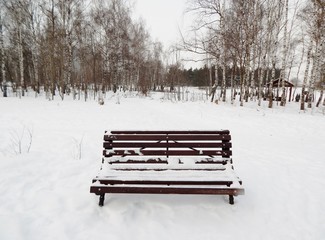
x=167 y=162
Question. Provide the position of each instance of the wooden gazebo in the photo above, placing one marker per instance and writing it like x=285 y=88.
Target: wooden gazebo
x=279 y=82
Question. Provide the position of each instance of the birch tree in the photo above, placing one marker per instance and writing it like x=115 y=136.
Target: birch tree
x=15 y=11
x=33 y=34
x=67 y=19
x=319 y=37
x=284 y=54
x=275 y=26
x=322 y=78
x=211 y=17
x=302 y=101
x=2 y=56
x=20 y=51
x=313 y=16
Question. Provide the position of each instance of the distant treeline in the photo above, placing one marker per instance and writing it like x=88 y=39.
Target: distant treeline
x=205 y=76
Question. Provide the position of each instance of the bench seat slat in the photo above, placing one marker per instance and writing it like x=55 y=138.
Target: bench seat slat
x=155 y=182
x=171 y=132
x=168 y=190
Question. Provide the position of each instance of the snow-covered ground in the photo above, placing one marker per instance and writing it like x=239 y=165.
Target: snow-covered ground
x=279 y=154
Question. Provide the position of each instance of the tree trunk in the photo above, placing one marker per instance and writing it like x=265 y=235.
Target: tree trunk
x=232 y=84
x=276 y=29
x=270 y=90
x=311 y=86
x=302 y=102
x=224 y=87
x=320 y=98
x=224 y=64
x=262 y=72
x=3 y=73
x=247 y=73
x=253 y=82
x=21 y=56
x=216 y=75
x=284 y=55
x=210 y=77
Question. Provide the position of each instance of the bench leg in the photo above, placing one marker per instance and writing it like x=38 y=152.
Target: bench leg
x=231 y=199
x=101 y=200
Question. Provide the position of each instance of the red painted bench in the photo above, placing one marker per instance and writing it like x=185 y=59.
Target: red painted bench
x=167 y=162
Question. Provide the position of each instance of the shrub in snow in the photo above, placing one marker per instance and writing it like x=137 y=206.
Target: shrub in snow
x=101 y=101
x=21 y=141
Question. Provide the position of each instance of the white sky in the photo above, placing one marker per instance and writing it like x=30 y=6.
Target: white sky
x=162 y=17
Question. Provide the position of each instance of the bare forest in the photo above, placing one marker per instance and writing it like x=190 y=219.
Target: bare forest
x=251 y=50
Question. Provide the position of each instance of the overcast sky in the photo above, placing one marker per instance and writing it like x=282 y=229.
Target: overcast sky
x=162 y=17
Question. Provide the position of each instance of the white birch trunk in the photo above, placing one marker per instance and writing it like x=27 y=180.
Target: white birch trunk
x=265 y=66
x=302 y=102
x=247 y=76
x=270 y=91
x=284 y=55
x=252 y=83
x=232 y=84
x=262 y=71
x=316 y=64
x=256 y=60
x=224 y=78
x=215 y=86
x=210 y=76
x=35 y=55
x=242 y=62
x=320 y=97
x=3 y=73
x=311 y=85
x=223 y=30
x=216 y=76
x=69 y=60
x=299 y=66
x=276 y=29
x=21 y=58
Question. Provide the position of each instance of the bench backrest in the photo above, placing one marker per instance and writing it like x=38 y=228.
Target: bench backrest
x=167 y=143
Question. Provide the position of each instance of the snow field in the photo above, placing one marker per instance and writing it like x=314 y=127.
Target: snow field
x=278 y=153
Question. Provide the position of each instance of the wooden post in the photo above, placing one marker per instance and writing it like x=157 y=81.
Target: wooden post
x=290 y=91
x=231 y=199
x=101 y=199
